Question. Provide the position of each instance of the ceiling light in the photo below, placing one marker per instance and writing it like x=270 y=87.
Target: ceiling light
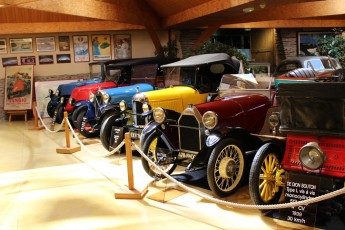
x=248 y=9
x=262 y=5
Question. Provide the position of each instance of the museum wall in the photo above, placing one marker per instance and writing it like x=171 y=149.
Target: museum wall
x=141 y=46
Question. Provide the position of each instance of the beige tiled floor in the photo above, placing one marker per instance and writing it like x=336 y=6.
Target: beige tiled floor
x=41 y=189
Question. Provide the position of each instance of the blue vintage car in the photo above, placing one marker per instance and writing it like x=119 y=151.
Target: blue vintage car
x=145 y=76
x=59 y=98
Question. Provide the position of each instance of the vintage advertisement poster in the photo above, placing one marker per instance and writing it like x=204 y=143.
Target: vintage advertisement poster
x=18 y=87
x=101 y=47
x=81 y=48
x=123 y=46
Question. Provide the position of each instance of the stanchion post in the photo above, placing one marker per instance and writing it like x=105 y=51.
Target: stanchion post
x=68 y=148
x=130 y=192
x=34 y=111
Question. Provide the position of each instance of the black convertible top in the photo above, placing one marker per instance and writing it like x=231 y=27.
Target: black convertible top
x=313 y=89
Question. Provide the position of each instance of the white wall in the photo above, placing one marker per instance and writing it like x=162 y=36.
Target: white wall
x=142 y=46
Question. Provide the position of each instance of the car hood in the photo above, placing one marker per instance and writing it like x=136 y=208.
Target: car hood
x=245 y=110
x=175 y=98
x=78 y=92
x=66 y=89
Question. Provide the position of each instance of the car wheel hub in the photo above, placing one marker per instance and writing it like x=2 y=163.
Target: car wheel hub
x=227 y=167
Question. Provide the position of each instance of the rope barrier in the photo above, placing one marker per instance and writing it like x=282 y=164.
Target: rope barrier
x=201 y=194
x=237 y=205
x=48 y=129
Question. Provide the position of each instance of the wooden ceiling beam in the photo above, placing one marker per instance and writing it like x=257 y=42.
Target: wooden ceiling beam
x=205 y=35
x=312 y=23
x=292 y=11
x=126 y=12
x=205 y=9
x=64 y=27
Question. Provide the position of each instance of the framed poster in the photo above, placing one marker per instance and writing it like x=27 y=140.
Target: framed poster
x=63 y=58
x=81 y=48
x=64 y=43
x=9 y=61
x=45 y=59
x=123 y=46
x=28 y=60
x=308 y=41
x=45 y=44
x=18 y=87
x=21 y=45
x=101 y=47
x=3 y=46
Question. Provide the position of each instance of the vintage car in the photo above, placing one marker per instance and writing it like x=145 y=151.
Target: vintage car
x=306 y=145
x=215 y=136
x=317 y=63
x=60 y=97
x=188 y=81
x=144 y=75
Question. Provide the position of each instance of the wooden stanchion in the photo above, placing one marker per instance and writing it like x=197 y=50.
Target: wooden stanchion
x=68 y=148
x=34 y=111
x=130 y=192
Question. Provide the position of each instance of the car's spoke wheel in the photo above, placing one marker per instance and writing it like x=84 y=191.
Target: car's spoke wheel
x=265 y=178
x=75 y=115
x=50 y=109
x=226 y=167
x=86 y=129
x=156 y=154
x=106 y=127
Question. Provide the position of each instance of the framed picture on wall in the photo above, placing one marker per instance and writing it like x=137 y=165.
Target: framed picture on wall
x=63 y=58
x=3 y=46
x=64 y=43
x=308 y=41
x=9 y=61
x=21 y=45
x=18 y=87
x=28 y=60
x=122 y=46
x=81 y=48
x=45 y=44
x=45 y=59
x=101 y=49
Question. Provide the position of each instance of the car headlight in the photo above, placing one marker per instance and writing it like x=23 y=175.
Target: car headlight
x=123 y=105
x=105 y=98
x=311 y=156
x=145 y=107
x=159 y=115
x=70 y=100
x=50 y=91
x=210 y=119
x=62 y=99
x=57 y=92
x=91 y=97
x=274 y=120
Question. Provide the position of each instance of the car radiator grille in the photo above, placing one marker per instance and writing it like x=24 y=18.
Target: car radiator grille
x=333 y=147
x=137 y=109
x=97 y=103
x=189 y=134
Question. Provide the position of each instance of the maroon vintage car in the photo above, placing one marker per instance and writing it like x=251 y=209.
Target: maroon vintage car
x=216 y=135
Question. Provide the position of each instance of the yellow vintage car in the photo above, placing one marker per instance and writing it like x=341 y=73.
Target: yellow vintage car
x=189 y=81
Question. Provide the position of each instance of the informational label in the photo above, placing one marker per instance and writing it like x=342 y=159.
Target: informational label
x=301 y=187
x=116 y=137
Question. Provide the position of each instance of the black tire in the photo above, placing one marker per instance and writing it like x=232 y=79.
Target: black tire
x=226 y=167
x=107 y=124
x=60 y=108
x=75 y=114
x=263 y=187
x=149 y=149
x=86 y=131
x=50 y=109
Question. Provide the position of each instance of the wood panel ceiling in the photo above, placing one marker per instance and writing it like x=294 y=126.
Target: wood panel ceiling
x=47 y=16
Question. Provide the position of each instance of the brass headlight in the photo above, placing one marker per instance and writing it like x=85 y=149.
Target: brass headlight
x=145 y=107
x=123 y=105
x=70 y=100
x=274 y=119
x=311 y=156
x=62 y=100
x=210 y=119
x=57 y=92
x=91 y=97
x=105 y=98
x=159 y=115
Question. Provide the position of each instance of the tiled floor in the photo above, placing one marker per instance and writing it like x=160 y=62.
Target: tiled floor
x=42 y=189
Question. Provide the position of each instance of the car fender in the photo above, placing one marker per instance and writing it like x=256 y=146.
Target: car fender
x=148 y=129
x=77 y=110
x=90 y=112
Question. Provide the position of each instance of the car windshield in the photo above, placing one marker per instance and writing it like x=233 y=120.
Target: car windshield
x=113 y=75
x=95 y=71
x=180 y=76
x=321 y=64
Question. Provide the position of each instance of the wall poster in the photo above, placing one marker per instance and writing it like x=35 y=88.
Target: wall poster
x=123 y=46
x=81 y=48
x=18 y=87
x=101 y=47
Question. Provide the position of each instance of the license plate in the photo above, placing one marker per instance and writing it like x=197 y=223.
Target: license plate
x=135 y=135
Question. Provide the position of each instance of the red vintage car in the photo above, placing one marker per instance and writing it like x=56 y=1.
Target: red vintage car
x=215 y=136
x=306 y=148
